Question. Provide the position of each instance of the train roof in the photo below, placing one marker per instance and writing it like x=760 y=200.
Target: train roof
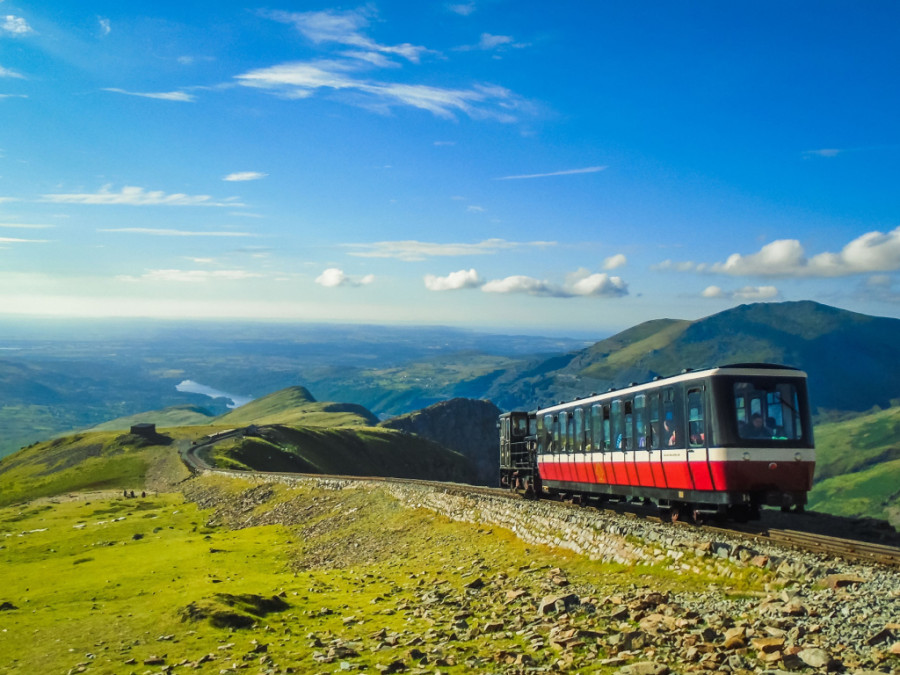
x=684 y=375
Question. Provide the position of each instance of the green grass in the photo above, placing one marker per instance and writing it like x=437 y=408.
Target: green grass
x=88 y=461
x=133 y=579
x=873 y=492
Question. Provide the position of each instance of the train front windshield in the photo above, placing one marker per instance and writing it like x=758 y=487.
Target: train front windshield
x=770 y=410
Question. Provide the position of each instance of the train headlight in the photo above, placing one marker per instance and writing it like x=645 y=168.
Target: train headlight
x=746 y=456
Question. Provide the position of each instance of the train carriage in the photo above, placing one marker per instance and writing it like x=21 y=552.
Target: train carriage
x=728 y=439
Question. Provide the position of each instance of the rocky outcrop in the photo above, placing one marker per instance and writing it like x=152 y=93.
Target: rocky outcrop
x=466 y=425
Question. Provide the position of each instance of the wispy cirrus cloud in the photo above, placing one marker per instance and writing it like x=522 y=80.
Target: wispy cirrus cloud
x=488 y=42
x=136 y=196
x=6 y=72
x=869 y=253
x=16 y=240
x=349 y=57
x=162 y=232
x=334 y=277
x=180 y=96
x=190 y=276
x=244 y=176
x=26 y=226
x=344 y=28
x=566 y=172
x=462 y=8
x=413 y=250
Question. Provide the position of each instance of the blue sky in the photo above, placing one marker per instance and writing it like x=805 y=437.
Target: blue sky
x=578 y=166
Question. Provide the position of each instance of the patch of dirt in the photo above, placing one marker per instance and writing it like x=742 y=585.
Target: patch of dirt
x=224 y=610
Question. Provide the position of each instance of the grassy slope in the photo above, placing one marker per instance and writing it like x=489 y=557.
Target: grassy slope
x=357 y=451
x=356 y=564
x=87 y=461
x=295 y=405
x=858 y=466
x=176 y=416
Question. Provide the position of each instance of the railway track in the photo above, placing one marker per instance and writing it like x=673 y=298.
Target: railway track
x=855 y=550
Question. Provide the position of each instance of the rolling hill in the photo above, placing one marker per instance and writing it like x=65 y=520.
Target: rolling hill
x=846 y=355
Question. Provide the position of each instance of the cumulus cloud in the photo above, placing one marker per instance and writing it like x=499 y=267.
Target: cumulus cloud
x=161 y=95
x=579 y=284
x=135 y=196
x=566 y=172
x=453 y=281
x=15 y=25
x=190 y=276
x=869 y=253
x=753 y=293
x=412 y=250
x=245 y=175
x=334 y=277
x=615 y=261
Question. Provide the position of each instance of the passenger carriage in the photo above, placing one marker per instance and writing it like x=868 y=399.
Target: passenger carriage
x=728 y=439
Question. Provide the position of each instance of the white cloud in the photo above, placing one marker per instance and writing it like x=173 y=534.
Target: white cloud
x=160 y=95
x=245 y=175
x=135 y=196
x=753 y=293
x=345 y=28
x=162 y=232
x=334 y=277
x=615 y=261
x=823 y=152
x=10 y=240
x=191 y=276
x=105 y=26
x=453 y=281
x=579 y=284
x=26 y=226
x=474 y=208
x=15 y=25
x=869 y=253
x=412 y=250
x=6 y=72
x=568 y=172
x=489 y=41
x=463 y=9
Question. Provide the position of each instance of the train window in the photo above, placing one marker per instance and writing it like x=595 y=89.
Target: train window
x=570 y=433
x=696 y=418
x=597 y=427
x=628 y=441
x=579 y=430
x=640 y=421
x=546 y=433
x=672 y=424
x=520 y=426
x=768 y=409
x=555 y=442
x=607 y=434
x=654 y=420
x=617 y=418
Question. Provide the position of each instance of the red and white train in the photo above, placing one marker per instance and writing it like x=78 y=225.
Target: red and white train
x=728 y=439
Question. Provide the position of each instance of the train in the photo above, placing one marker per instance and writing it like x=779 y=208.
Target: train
x=721 y=441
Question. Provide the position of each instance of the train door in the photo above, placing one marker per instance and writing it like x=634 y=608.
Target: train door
x=698 y=452
x=579 y=456
x=674 y=452
x=609 y=449
x=655 y=441
x=641 y=451
x=597 y=440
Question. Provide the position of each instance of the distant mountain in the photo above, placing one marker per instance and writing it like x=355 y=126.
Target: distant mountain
x=849 y=356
